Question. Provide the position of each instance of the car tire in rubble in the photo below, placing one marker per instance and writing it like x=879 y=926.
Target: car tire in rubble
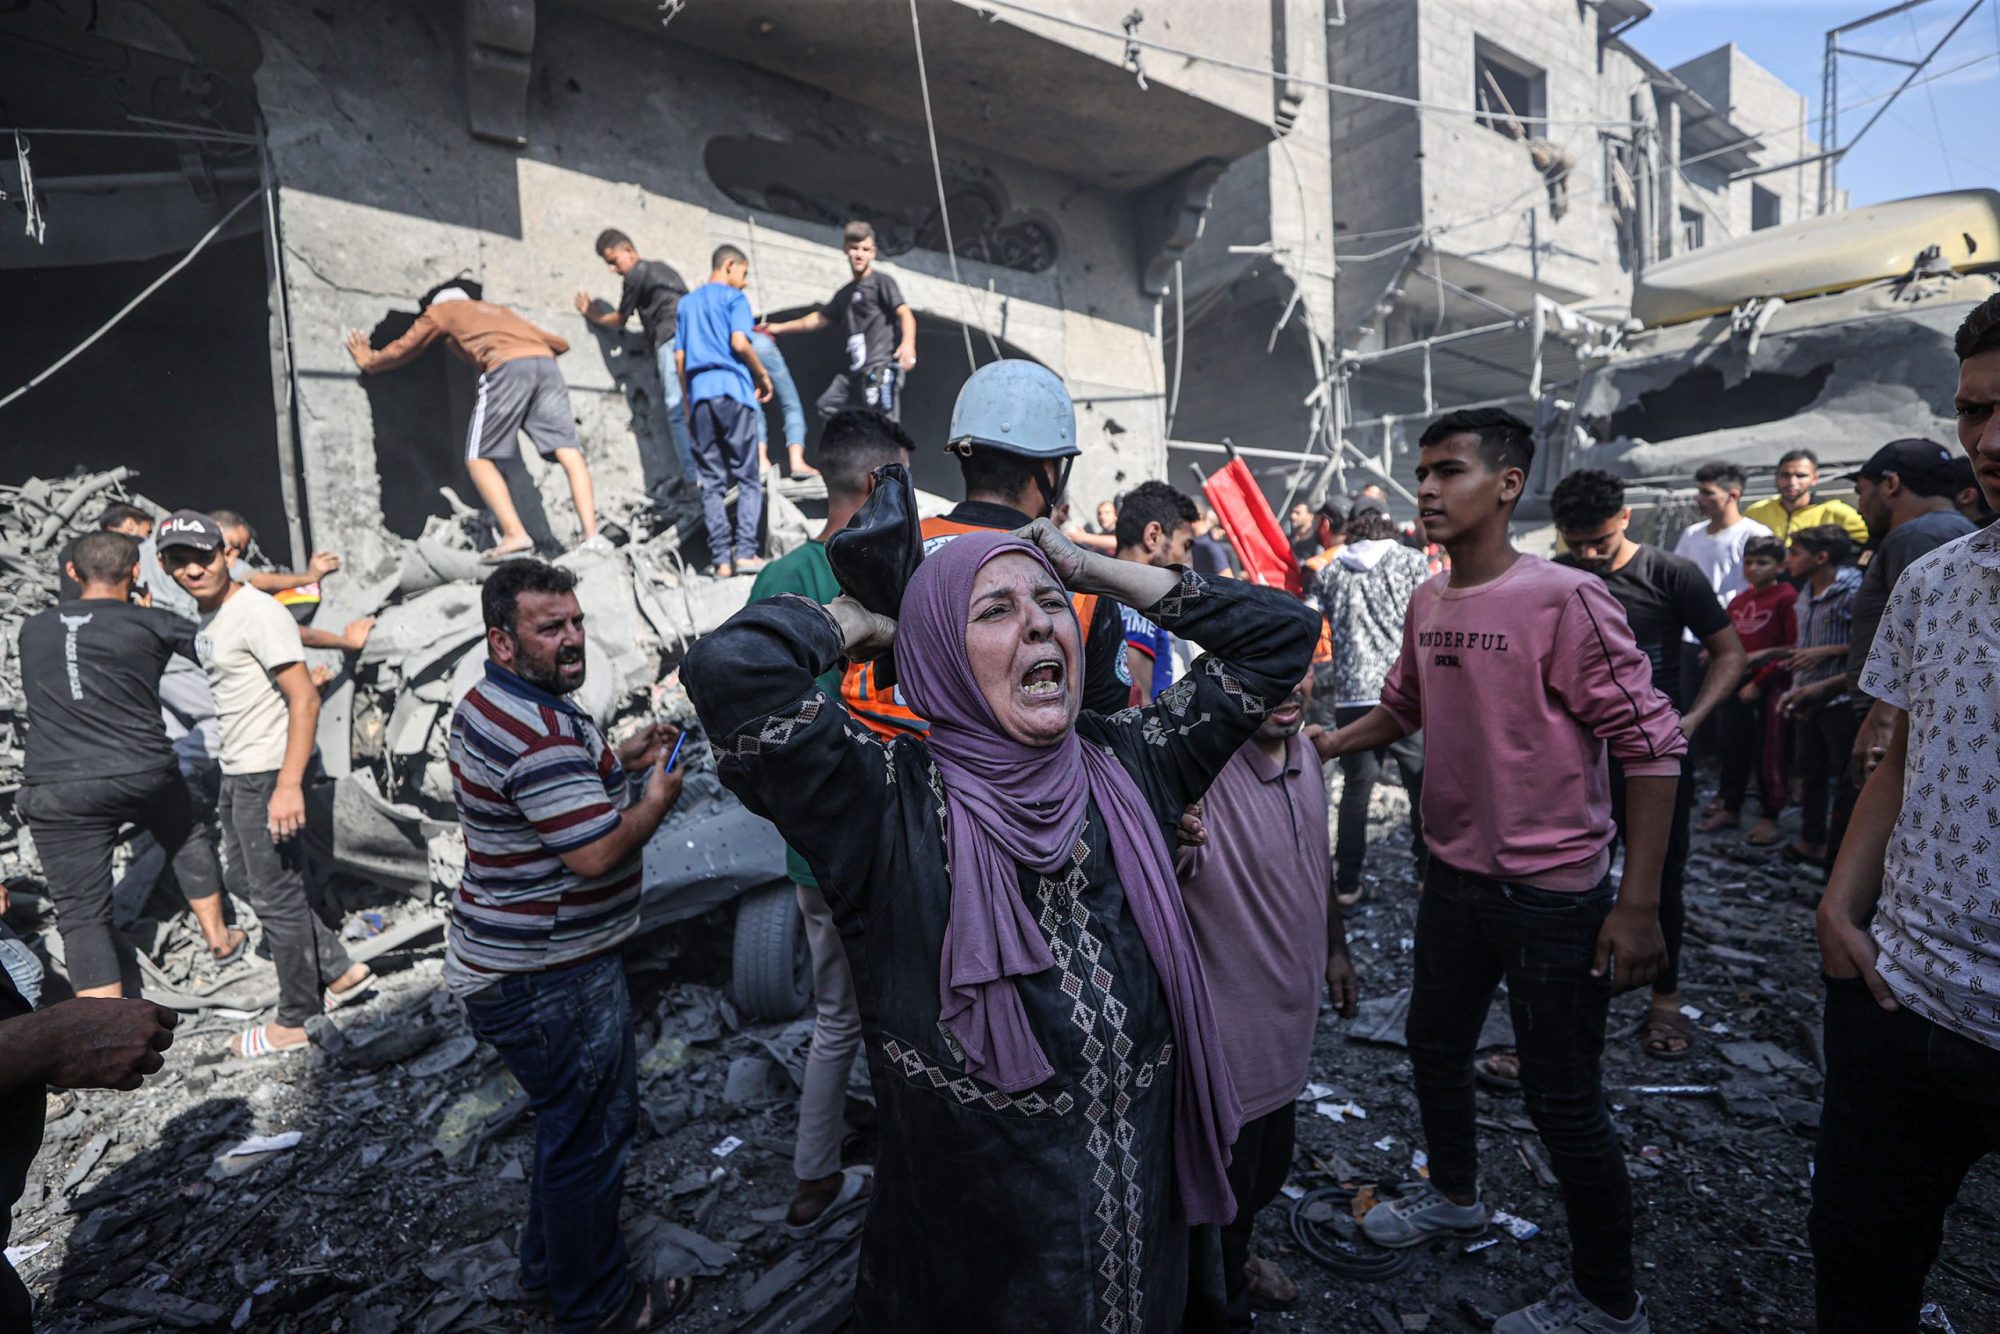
x=772 y=973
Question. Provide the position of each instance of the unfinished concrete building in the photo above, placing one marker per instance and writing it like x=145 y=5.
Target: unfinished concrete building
x=1523 y=156
x=326 y=164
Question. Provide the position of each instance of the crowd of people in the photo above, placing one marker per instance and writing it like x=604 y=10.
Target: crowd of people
x=1069 y=872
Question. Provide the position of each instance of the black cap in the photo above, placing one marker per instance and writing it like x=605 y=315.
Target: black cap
x=1918 y=461
x=188 y=528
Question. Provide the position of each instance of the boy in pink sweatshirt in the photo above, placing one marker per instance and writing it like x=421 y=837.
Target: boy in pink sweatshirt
x=1524 y=675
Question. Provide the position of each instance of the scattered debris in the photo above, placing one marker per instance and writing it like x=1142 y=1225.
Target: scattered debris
x=260 y=1144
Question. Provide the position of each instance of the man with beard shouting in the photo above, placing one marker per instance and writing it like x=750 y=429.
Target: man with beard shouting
x=555 y=823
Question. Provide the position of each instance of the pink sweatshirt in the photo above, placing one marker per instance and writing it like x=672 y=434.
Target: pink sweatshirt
x=1520 y=685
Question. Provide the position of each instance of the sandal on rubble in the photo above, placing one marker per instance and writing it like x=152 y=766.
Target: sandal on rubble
x=254 y=1043
x=1664 y=1027
x=1499 y=1069
x=241 y=943
x=334 y=1000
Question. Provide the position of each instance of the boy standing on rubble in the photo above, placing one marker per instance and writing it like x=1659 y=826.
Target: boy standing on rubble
x=268 y=710
x=1524 y=674
x=723 y=379
x=878 y=356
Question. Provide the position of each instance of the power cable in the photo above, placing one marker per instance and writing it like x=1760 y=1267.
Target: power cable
x=133 y=304
x=1335 y=1246
x=937 y=175
x=1128 y=40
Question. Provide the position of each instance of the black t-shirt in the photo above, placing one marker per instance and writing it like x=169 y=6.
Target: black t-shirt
x=1663 y=594
x=654 y=290
x=1896 y=553
x=865 y=313
x=20 y=1140
x=1209 y=557
x=91 y=672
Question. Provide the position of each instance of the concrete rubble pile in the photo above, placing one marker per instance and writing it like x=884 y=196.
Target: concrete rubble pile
x=383 y=832
x=377 y=1178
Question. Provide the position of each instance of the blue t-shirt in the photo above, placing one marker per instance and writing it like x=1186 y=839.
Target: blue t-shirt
x=708 y=316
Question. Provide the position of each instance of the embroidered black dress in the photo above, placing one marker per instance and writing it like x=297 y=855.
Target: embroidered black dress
x=1054 y=1208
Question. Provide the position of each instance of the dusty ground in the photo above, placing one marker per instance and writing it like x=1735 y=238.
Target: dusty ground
x=396 y=1209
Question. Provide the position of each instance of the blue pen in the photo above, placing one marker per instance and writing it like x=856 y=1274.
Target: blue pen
x=678 y=743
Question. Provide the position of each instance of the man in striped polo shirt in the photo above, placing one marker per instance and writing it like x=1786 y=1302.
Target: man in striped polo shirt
x=555 y=823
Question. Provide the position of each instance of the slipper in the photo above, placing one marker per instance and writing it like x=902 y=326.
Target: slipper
x=1777 y=837
x=1347 y=898
x=334 y=1000
x=494 y=555
x=1484 y=1071
x=242 y=944
x=667 y=1298
x=856 y=1189
x=252 y=1045
x=1664 y=1026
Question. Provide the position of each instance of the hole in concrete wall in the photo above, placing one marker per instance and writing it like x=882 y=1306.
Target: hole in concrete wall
x=889 y=187
x=1699 y=402
x=931 y=391
x=181 y=390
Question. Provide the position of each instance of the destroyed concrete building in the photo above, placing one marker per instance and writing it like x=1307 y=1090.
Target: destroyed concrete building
x=347 y=158
x=265 y=177
x=1520 y=157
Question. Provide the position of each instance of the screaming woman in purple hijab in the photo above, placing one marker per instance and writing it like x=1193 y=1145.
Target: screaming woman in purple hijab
x=1055 y=1108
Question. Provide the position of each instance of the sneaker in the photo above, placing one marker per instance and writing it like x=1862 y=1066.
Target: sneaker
x=1567 y=1311
x=1420 y=1214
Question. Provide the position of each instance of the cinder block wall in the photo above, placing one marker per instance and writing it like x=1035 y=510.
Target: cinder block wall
x=384 y=193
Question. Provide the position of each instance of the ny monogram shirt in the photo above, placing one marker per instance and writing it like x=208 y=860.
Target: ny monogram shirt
x=1937 y=657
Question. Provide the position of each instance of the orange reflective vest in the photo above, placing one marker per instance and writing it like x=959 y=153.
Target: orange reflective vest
x=879 y=707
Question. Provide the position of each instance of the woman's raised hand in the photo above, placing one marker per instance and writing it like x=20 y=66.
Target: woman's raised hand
x=1069 y=559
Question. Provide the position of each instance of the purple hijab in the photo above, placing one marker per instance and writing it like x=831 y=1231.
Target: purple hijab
x=1011 y=803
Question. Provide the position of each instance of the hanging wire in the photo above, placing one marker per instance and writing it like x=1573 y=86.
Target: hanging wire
x=937 y=175
x=1180 y=344
x=133 y=304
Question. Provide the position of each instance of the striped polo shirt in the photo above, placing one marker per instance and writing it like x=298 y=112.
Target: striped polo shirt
x=1826 y=619
x=533 y=779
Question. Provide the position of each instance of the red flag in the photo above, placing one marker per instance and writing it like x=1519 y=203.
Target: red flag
x=1262 y=549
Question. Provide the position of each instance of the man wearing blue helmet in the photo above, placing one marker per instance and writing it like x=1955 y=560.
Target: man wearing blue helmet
x=1014 y=431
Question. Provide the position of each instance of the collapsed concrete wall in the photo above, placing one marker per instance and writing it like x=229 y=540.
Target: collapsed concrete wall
x=383 y=193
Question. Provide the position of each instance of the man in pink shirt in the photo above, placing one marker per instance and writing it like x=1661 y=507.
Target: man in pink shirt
x=1524 y=675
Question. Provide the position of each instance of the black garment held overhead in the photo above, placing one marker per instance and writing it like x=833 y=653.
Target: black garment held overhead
x=1071 y=1182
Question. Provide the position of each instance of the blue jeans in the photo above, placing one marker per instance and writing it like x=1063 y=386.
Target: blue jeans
x=674 y=409
x=783 y=388
x=567 y=1035
x=726 y=452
